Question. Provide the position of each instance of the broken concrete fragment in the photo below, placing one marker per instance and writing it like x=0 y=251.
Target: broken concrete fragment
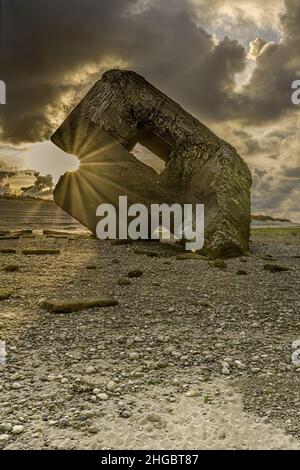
x=275 y=268
x=150 y=254
x=57 y=233
x=11 y=268
x=75 y=305
x=189 y=256
x=219 y=263
x=10 y=237
x=124 y=281
x=123 y=109
x=22 y=232
x=135 y=273
x=41 y=252
x=241 y=272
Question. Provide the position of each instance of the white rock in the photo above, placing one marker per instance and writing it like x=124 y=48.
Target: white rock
x=17 y=429
x=102 y=396
x=16 y=385
x=4 y=437
x=192 y=393
x=90 y=370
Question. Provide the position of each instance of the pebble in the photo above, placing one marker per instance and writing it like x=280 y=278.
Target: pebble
x=239 y=364
x=102 y=396
x=134 y=355
x=111 y=386
x=17 y=429
x=192 y=393
x=6 y=427
x=225 y=371
x=16 y=385
x=90 y=370
x=4 y=437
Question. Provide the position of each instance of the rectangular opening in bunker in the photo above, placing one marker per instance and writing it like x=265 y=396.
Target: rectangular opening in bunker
x=150 y=149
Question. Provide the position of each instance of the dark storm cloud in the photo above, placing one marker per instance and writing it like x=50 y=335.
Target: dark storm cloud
x=268 y=95
x=46 y=41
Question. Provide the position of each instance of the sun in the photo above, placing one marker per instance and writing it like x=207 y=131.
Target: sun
x=73 y=164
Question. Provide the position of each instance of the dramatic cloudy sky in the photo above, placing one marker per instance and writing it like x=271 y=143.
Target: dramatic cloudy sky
x=229 y=62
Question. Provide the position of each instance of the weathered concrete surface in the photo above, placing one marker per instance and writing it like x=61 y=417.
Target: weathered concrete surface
x=123 y=109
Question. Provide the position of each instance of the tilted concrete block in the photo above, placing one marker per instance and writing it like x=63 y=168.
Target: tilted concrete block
x=123 y=109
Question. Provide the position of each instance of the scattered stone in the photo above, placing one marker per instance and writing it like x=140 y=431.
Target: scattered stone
x=102 y=396
x=40 y=252
x=17 y=429
x=192 y=393
x=4 y=438
x=75 y=305
x=151 y=365
x=275 y=268
x=191 y=256
x=90 y=370
x=267 y=257
x=225 y=370
x=134 y=356
x=23 y=232
x=241 y=272
x=135 y=273
x=16 y=385
x=7 y=427
x=150 y=254
x=57 y=233
x=111 y=386
x=219 y=263
x=10 y=237
x=12 y=268
x=124 y=281
x=239 y=364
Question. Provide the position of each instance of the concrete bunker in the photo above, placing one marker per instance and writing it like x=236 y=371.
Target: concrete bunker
x=123 y=110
